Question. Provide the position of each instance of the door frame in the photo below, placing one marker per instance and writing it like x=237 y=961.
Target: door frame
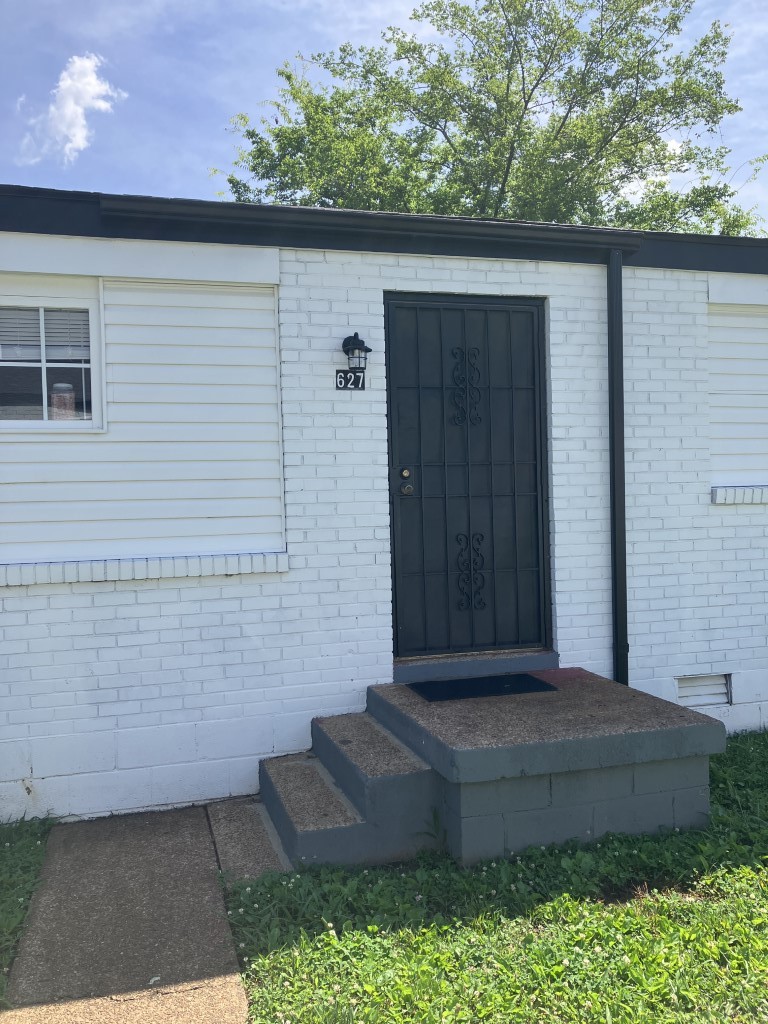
x=467 y=300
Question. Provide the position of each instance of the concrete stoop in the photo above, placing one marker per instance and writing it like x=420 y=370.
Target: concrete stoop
x=490 y=776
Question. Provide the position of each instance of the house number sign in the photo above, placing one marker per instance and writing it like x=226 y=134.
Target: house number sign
x=350 y=380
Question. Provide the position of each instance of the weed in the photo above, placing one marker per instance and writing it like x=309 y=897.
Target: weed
x=22 y=850
x=436 y=831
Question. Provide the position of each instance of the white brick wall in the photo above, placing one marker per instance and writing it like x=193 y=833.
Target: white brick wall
x=697 y=572
x=128 y=694
x=123 y=695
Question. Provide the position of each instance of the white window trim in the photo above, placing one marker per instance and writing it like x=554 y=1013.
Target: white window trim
x=98 y=423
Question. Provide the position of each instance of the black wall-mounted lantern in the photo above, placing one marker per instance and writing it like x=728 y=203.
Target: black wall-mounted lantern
x=356 y=351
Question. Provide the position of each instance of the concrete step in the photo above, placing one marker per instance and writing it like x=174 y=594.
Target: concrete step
x=247 y=844
x=314 y=820
x=395 y=791
x=373 y=768
x=400 y=724
x=317 y=823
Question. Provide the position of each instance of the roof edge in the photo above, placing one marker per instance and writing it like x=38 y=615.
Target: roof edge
x=44 y=211
x=364 y=221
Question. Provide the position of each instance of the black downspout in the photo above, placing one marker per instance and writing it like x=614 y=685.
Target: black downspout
x=618 y=493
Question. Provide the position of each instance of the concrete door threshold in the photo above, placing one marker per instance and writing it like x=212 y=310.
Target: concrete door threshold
x=472 y=665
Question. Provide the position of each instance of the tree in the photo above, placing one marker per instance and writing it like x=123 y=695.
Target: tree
x=574 y=111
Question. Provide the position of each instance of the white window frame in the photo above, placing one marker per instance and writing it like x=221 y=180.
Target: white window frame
x=98 y=421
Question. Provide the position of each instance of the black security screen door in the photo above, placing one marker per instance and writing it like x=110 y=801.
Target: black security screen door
x=467 y=474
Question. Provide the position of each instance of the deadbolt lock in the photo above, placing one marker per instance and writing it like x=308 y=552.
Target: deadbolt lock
x=405 y=473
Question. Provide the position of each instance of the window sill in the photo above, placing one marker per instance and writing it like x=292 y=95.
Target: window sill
x=748 y=495
x=22 y=574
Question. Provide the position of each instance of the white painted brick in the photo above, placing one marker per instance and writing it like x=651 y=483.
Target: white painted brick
x=292 y=732
x=240 y=738
x=29 y=715
x=244 y=775
x=98 y=724
x=189 y=783
x=15 y=761
x=183 y=715
x=99 y=793
x=38 y=797
x=137 y=748
x=70 y=755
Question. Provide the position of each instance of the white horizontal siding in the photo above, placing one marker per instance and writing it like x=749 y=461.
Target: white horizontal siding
x=99 y=472
x=738 y=394
x=190 y=462
x=164 y=452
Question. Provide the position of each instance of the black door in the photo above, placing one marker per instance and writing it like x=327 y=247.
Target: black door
x=467 y=466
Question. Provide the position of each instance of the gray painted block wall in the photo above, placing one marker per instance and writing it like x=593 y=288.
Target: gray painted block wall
x=492 y=819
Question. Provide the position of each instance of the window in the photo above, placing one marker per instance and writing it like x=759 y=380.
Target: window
x=45 y=366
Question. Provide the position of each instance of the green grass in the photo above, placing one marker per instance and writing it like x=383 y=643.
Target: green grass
x=670 y=928
x=22 y=850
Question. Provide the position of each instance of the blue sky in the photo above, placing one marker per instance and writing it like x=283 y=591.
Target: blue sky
x=134 y=96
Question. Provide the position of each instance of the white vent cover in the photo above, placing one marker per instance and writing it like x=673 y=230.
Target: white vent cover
x=704 y=691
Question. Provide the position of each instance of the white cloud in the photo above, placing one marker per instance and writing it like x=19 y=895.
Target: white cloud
x=63 y=129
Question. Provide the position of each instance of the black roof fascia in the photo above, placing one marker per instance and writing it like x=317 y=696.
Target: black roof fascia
x=720 y=253
x=50 y=211
x=95 y=214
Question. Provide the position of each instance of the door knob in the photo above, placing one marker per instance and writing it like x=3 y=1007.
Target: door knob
x=406 y=488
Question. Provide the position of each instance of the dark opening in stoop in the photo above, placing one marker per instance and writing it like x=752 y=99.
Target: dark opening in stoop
x=484 y=686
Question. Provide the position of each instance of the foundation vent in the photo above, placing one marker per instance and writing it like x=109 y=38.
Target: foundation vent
x=704 y=691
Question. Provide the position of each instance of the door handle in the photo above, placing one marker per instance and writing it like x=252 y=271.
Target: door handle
x=406 y=489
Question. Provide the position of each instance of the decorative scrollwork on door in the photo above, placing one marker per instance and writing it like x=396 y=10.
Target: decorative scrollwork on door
x=473 y=379
x=464 y=563
x=471 y=578
x=478 y=578
x=459 y=393
x=466 y=394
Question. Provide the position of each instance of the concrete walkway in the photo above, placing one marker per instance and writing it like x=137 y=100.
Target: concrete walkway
x=129 y=927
